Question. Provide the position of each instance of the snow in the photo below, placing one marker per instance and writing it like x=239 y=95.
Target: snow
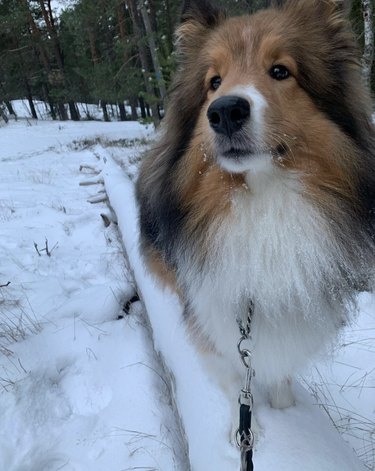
x=59 y=5
x=81 y=388
x=90 y=111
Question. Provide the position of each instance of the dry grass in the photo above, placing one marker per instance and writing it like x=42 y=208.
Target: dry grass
x=17 y=321
x=88 y=143
x=356 y=429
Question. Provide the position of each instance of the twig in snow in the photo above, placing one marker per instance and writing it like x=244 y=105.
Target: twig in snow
x=106 y=220
x=97 y=180
x=37 y=250
x=100 y=198
x=6 y=284
x=145 y=468
x=6 y=383
x=93 y=168
x=21 y=365
x=45 y=249
x=165 y=382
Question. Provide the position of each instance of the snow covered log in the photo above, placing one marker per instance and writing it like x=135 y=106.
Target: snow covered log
x=204 y=413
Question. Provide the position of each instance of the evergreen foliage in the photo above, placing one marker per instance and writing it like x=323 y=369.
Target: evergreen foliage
x=102 y=51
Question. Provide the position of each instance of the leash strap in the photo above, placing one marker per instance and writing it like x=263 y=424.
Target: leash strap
x=245 y=436
x=247 y=439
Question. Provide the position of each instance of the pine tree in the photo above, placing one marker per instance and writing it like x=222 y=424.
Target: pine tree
x=112 y=52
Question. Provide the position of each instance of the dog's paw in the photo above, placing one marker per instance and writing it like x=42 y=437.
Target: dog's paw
x=281 y=395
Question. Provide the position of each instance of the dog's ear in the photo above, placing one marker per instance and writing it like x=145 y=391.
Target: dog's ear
x=318 y=10
x=344 y=6
x=340 y=6
x=201 y=11
x=198 y=18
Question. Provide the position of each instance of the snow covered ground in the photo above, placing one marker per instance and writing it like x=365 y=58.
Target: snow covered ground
x=82 y=385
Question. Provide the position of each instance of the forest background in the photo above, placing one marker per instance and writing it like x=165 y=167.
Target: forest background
x=116 y=54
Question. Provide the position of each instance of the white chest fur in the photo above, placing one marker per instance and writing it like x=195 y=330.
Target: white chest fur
x=277 y=250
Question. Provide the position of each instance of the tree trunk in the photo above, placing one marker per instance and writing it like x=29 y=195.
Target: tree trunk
x=121 y=107
x=62 y=112
x=103 y=104
x=143 y=107
x=48 y=100
x=94 y=53
x=52 y=109
x=170 y=27
x=9 y=106
x=368 y=53
x=152 y=14
x=30 y=99
x=133 y=106
x=25 y=82
x=133 y=102
x=121 y=25
x=49 y=21
x=143 y=55
x=3 y=115
x=154 y=54
x=51 y=28
x=74 y=115
x=35 y=33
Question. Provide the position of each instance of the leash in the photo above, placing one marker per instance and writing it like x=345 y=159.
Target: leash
x=244 y=435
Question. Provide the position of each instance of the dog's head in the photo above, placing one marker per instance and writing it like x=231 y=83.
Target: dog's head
x=281 y=82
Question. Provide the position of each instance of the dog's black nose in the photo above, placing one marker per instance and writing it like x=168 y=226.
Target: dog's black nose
x=228 y=114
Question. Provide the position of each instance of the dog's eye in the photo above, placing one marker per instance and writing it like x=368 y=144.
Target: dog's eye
x=215 y=82
x=279 y=72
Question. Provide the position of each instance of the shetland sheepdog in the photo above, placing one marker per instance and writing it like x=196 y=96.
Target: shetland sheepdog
x=261 y=187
